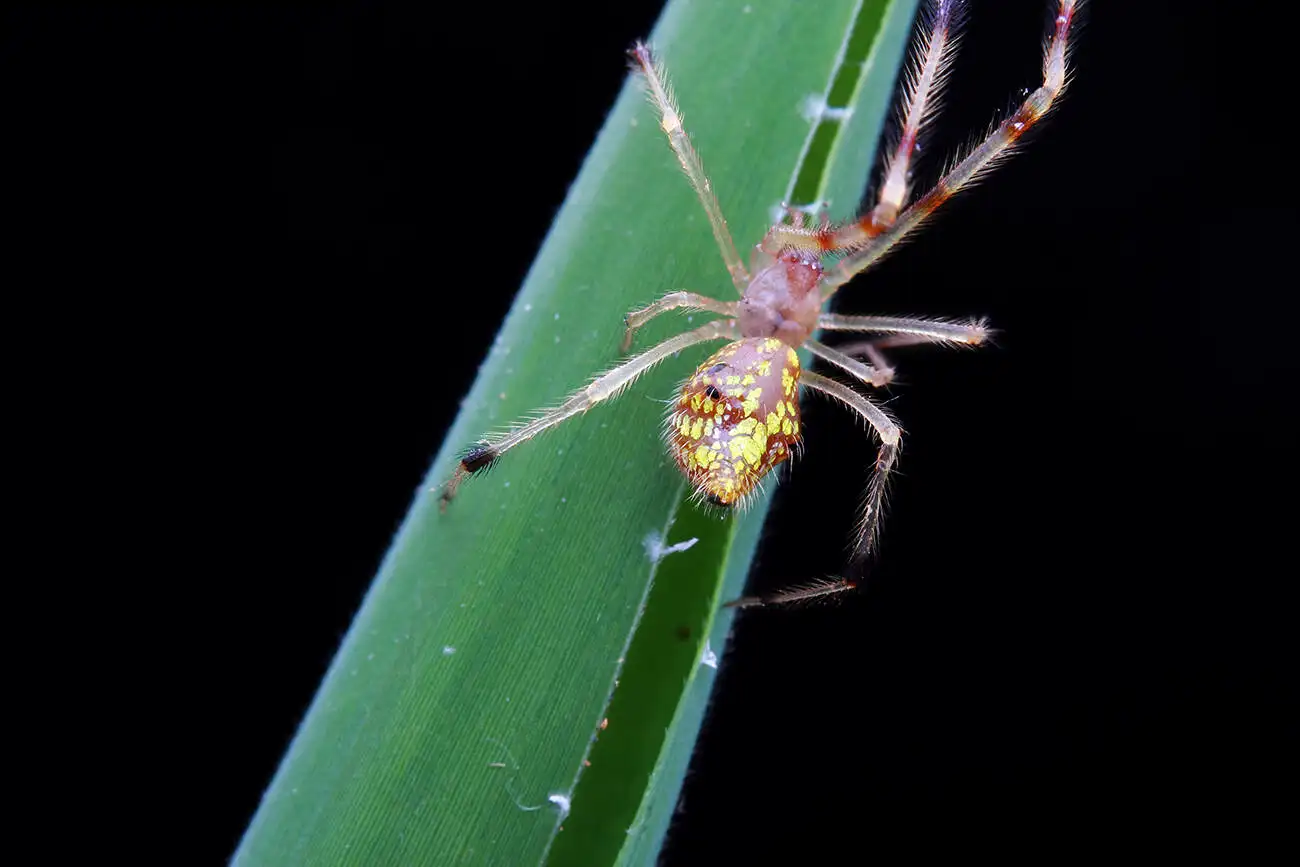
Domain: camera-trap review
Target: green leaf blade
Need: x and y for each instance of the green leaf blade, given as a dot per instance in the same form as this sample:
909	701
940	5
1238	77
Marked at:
473	682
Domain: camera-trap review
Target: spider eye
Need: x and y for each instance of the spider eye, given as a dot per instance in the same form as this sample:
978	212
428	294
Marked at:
712	393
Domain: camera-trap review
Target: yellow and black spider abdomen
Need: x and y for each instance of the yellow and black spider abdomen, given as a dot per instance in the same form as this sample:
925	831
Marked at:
737	417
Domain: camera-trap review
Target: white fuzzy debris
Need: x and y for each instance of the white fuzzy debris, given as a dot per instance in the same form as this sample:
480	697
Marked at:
656	550
561	801
448	650
709	658
814	109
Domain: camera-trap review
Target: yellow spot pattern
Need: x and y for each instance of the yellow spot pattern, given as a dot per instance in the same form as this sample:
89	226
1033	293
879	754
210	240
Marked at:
736	418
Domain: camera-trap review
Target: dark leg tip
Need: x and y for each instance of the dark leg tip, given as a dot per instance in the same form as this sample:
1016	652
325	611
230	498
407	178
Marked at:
478	457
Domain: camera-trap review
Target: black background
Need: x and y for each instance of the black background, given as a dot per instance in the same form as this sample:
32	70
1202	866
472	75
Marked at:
248	217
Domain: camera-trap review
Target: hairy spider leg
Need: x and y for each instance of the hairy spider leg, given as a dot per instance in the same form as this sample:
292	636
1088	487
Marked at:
890	436
670	120
866	240
987	155
927	70
604	387
674	301
878	376
800	593
926	75
902	332
923	330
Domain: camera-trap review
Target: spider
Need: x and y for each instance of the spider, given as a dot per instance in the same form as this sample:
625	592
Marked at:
738	416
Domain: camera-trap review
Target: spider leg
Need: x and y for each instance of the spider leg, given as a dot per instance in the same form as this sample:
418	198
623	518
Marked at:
878	376
906	332
673	301
871	349
926	75
985	156
606	386
927	70
801	593
671	123
923	330
890	435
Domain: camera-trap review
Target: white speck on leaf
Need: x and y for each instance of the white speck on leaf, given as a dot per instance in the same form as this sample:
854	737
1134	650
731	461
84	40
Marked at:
656	550
448	650
709	658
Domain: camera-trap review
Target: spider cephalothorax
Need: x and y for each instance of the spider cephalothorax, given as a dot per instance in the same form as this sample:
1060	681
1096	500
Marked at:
782	300
737	417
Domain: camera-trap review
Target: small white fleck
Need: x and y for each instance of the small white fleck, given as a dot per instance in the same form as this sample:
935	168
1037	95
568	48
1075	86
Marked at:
690	318
448	650
814	104
656	550
294	790
370	656
1018	125
635	122
557	338
506	485
710	658
748	9
528	307
562	802
559	451
564	499
557	317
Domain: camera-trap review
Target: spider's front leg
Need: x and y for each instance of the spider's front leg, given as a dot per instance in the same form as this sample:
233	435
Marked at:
608	385
985	156
674	301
